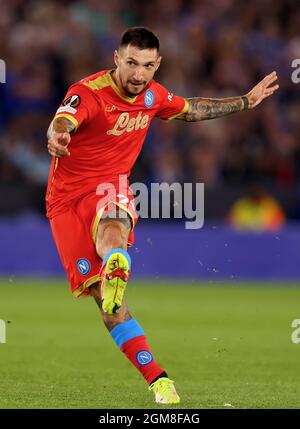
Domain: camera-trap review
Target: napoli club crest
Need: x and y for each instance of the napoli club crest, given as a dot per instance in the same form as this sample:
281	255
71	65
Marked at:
144	357
149	98
83	266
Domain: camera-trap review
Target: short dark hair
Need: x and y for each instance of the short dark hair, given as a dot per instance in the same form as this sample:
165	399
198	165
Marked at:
140	37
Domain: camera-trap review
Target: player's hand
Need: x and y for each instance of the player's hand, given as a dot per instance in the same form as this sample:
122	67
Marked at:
57	144
262	90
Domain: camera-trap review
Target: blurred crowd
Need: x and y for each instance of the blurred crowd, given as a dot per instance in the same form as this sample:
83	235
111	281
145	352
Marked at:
210	48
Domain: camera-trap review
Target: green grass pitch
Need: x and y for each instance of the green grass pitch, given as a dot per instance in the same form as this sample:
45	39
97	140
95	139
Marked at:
221	343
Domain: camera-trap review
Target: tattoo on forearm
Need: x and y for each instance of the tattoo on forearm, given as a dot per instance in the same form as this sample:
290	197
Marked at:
60	125
246	102
209	108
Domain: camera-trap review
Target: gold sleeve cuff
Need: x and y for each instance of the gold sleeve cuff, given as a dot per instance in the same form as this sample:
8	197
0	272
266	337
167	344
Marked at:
184	110
69	117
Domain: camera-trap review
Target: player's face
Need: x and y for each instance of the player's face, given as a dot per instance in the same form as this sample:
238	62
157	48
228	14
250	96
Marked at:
135	68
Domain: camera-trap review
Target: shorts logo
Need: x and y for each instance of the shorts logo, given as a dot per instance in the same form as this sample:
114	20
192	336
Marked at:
149	98
170	96
72	101
144	357
83	266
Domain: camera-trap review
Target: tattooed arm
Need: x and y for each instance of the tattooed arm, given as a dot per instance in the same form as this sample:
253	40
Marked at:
59	137
209	108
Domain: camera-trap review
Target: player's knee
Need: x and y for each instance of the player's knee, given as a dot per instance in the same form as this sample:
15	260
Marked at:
112	232
110	235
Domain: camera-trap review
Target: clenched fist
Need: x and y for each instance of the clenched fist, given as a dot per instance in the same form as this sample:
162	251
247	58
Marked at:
58	144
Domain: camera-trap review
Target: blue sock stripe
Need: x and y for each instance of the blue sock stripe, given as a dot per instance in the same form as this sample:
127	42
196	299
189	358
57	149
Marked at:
126	331
118	250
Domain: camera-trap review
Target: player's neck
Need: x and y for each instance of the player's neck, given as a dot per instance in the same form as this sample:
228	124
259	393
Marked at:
115	77
117	80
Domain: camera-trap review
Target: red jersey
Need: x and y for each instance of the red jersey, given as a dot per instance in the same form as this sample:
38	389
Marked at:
112	129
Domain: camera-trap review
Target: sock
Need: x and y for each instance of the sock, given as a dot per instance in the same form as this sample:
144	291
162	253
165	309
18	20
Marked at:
117	250
163	374
131	340
108	254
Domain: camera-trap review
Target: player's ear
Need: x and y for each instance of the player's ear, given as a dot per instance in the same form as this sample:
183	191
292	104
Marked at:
116	58
158	61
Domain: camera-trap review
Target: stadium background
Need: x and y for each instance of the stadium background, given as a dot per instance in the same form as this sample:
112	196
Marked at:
215	48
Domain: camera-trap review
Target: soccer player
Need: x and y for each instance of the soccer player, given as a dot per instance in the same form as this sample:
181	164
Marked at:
95	138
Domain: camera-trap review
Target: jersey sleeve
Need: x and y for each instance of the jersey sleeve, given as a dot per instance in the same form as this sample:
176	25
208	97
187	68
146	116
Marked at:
79	105
171	105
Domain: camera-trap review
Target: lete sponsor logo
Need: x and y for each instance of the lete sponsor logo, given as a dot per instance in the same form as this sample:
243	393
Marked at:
126	124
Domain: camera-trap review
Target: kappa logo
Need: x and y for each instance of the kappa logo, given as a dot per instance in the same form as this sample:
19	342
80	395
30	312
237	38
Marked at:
144	357
149	98
83	266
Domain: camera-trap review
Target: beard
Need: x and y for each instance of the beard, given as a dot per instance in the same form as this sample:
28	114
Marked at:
133	88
